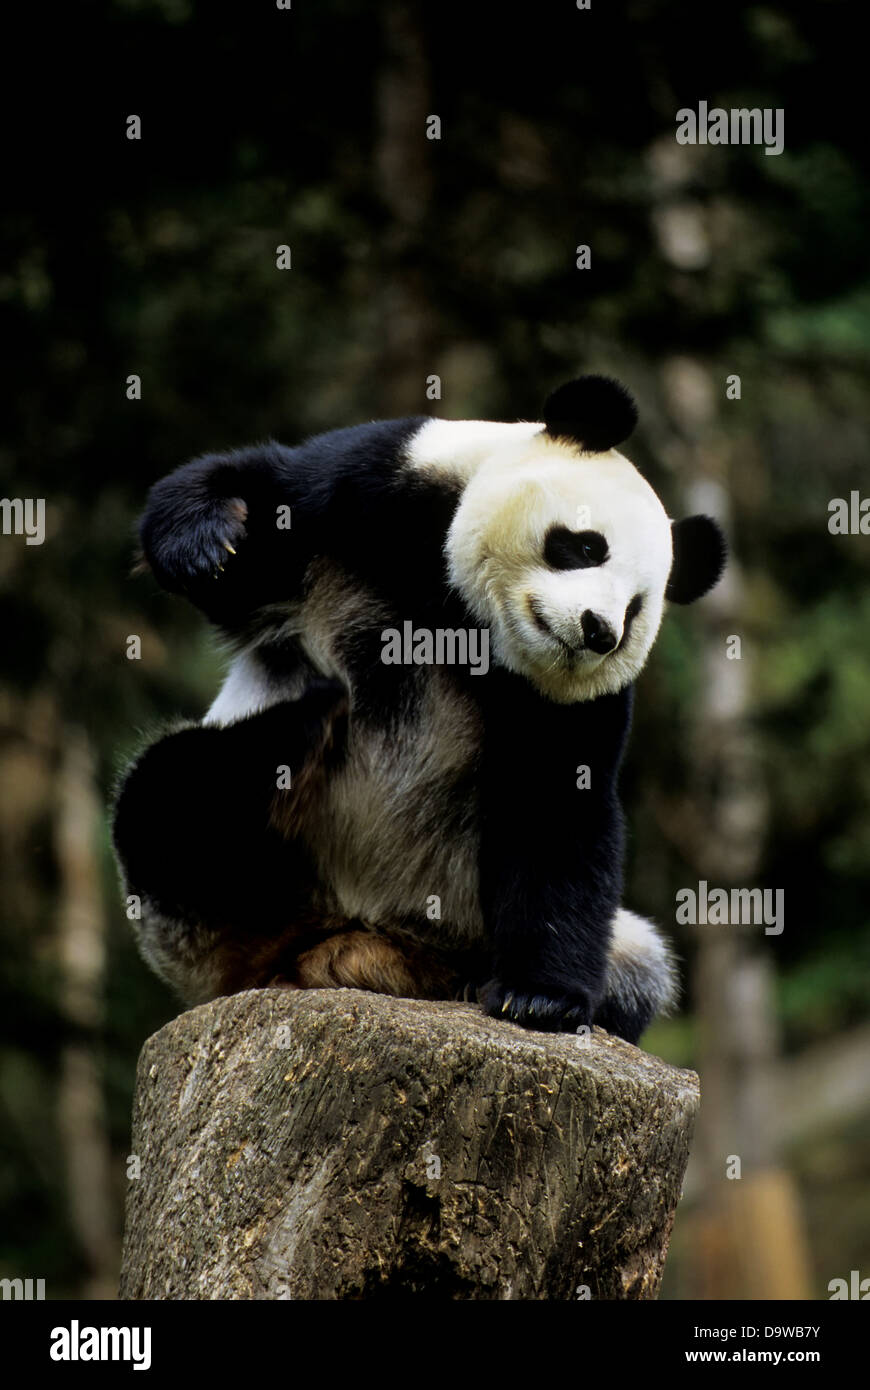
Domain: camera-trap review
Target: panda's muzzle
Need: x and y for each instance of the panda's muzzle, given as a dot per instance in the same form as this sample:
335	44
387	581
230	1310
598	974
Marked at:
598	635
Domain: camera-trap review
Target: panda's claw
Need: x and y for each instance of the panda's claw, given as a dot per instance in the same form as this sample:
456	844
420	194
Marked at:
533	1009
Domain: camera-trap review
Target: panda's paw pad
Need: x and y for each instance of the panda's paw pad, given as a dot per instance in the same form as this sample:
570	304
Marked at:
544	1012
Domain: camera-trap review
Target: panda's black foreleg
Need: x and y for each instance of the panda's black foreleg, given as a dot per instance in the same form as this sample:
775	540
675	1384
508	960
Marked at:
550	935
551	853
193	822
219	530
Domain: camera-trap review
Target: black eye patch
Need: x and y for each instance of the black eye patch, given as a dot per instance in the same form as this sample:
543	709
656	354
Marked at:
574	550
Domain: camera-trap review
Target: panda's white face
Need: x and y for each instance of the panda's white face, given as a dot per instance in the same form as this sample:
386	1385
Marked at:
564	556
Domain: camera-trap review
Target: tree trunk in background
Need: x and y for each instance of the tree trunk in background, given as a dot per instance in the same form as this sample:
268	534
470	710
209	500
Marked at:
749	1233
343	1145
404	182
81	948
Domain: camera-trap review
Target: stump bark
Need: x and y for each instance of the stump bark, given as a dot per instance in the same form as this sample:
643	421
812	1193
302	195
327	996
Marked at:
333	1144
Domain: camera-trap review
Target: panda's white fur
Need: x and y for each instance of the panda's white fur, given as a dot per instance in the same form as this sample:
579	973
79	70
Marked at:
249	688
641	965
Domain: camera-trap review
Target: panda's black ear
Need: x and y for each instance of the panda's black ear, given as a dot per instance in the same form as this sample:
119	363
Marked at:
593	411
699	558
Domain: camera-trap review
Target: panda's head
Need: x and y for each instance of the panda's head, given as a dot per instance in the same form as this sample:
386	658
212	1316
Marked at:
561	548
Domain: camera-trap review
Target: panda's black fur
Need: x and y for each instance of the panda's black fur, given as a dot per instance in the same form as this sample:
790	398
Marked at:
411	785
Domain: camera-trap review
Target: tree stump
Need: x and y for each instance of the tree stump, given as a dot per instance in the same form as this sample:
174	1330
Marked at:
330	1144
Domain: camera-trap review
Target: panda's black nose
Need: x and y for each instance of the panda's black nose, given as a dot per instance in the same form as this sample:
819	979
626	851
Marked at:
598	635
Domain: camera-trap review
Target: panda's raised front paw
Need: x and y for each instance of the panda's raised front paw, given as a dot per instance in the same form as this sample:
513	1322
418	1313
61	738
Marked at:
196	547
563	1013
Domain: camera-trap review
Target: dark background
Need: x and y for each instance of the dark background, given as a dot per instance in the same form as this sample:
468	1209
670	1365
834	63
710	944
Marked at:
411	257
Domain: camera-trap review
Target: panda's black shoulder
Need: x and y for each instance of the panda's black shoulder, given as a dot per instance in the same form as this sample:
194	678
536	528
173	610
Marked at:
385	521
371	455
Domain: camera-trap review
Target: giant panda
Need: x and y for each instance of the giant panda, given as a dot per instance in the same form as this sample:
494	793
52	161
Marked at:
430	830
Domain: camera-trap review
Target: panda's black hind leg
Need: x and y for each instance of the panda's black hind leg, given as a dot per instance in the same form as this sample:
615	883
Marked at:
193	819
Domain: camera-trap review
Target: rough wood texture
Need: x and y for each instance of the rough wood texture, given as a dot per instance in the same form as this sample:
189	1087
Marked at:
338	1144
